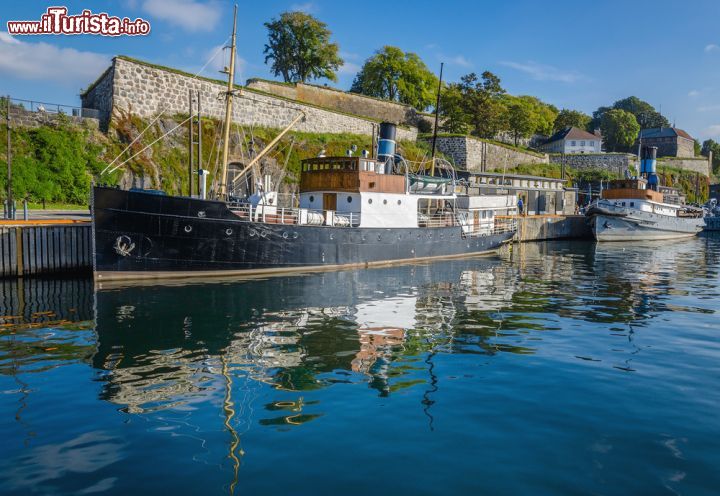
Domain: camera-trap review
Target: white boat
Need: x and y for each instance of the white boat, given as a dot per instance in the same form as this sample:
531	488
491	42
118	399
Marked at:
634	210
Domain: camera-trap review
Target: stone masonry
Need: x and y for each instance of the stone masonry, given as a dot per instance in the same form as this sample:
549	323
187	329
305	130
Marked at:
146	90
700	165
478	155
620	162
614	162
351	103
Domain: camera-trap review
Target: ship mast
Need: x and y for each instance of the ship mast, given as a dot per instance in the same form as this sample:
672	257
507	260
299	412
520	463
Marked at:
221	194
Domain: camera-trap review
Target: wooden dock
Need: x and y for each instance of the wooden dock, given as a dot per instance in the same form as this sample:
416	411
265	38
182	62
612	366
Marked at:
36	248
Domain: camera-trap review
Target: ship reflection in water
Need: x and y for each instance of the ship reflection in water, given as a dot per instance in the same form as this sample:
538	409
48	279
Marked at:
598	355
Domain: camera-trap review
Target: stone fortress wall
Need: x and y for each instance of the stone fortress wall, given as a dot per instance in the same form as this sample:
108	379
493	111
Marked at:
351	103
620	162
476	155
146	90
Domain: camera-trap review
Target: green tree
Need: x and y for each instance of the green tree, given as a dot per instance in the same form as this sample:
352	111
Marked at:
697	148
399	76
620	129
644	113
300	49
453	115
483	104
710	145
522	118
571	118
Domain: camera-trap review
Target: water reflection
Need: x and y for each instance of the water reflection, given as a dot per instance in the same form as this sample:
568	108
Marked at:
168	353
165	346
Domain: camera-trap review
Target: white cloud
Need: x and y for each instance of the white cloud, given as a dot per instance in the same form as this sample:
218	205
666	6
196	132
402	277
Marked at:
349	56
188	14
43	61
221	60
307	7
712	47
349	68
709	108
693	93
712	131
541	72
459	60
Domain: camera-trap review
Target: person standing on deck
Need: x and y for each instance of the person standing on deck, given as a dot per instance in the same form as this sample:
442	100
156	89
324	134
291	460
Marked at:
520	205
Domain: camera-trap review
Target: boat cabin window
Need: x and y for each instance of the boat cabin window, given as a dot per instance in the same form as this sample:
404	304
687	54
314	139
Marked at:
632	204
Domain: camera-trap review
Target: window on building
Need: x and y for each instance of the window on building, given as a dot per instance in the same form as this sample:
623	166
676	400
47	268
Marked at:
582	143
591	143
572	143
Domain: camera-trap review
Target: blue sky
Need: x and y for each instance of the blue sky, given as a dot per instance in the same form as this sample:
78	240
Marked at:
572	54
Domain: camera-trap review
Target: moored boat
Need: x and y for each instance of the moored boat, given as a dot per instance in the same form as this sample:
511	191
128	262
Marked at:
635	210
353	211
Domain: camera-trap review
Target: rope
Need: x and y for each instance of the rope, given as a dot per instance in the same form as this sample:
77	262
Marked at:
220	48
148	146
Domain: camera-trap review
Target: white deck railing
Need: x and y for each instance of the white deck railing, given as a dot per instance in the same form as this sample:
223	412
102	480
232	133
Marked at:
267	214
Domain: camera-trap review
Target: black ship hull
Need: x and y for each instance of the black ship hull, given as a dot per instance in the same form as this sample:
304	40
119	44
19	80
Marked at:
139	235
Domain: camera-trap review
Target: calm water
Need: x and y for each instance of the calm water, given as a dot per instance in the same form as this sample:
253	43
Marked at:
555	369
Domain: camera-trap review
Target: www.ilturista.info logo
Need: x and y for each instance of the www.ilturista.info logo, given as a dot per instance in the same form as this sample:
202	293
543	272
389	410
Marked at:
57	21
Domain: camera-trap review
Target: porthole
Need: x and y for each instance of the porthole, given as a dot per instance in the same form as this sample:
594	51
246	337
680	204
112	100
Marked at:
399	202
252	233
295	235
285	235
201	214
312	198
188	229
384	202
370	201
379	237
263	234
332	236
228	231
349	199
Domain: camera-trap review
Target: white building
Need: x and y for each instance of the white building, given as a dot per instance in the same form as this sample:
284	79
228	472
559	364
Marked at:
572	140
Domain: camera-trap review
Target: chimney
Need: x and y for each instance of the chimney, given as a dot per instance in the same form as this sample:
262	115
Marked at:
596	132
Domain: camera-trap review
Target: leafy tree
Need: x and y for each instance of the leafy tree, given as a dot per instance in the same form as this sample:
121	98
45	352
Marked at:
697	147
399	76
522	118
300	49
571	118
644	113
619	128
454	117
710	145
483	104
